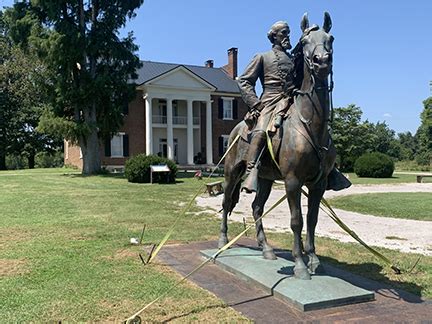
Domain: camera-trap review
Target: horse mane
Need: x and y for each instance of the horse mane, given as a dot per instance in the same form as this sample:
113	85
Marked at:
297	53
298	57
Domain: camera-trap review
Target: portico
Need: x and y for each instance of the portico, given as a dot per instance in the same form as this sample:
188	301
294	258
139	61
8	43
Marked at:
173	116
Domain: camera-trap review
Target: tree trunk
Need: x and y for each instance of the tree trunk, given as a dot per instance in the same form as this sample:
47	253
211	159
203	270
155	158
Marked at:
2	162
90	153
31	161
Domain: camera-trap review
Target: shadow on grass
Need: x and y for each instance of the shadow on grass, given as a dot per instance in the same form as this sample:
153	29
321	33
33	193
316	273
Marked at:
379	282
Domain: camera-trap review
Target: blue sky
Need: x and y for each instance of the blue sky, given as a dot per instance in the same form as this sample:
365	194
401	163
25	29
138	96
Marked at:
382	49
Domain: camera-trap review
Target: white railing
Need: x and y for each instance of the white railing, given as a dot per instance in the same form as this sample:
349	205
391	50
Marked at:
180	120
177	120
158	119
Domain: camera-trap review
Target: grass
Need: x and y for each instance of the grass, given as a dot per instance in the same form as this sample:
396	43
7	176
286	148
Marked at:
66	239
408	205
395	179
65	253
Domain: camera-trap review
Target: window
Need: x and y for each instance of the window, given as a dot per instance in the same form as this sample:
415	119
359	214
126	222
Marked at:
160	117
117	146
163	147
227	108
225	140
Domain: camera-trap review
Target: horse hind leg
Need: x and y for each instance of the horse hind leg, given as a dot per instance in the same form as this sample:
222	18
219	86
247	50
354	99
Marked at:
314	264
294	200
231	198
264	189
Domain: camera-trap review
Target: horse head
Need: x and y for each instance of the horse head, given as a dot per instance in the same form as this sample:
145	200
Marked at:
317	47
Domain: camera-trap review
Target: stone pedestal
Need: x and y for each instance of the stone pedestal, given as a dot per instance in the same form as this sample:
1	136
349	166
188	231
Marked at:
276	277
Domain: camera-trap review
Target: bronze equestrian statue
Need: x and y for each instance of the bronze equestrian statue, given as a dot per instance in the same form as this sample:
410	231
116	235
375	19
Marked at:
294	109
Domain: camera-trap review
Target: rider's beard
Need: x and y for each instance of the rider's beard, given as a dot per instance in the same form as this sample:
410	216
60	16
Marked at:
286	44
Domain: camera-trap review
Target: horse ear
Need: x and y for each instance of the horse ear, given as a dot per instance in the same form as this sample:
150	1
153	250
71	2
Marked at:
304	22
327	22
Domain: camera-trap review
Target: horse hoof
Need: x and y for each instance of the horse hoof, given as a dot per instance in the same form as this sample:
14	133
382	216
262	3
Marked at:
269	255
316	268
302	274
222	242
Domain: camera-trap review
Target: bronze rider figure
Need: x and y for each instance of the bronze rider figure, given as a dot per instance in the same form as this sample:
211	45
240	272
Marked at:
276	71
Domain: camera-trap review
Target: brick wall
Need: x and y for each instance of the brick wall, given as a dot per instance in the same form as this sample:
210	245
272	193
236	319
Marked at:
72	155
134	127
224	127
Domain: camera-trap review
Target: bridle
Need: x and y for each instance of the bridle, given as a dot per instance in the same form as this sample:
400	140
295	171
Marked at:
298	50
308	61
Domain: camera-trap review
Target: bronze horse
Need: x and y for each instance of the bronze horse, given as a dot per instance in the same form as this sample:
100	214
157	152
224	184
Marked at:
306	155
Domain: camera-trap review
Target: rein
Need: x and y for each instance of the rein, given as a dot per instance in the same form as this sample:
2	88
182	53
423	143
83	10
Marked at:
309	93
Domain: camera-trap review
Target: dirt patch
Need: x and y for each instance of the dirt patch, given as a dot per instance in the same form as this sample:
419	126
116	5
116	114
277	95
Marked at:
13	267
11	236
123	254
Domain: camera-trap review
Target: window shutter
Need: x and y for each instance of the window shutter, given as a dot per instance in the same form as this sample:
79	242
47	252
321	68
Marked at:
235	113
108	146
125	145
220	106
220	146
125	108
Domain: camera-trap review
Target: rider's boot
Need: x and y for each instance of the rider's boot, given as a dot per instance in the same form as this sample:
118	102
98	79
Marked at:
256	146
337	181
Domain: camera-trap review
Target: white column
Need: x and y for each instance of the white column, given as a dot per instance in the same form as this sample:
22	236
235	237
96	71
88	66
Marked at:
149	122
209	133
170	139
190	151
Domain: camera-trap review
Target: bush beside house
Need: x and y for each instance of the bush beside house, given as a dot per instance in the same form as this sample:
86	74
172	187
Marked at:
137	169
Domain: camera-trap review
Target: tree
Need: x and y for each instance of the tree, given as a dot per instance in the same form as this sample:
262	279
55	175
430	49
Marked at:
408	144
424	134
384	140
21	102
92	67
352	138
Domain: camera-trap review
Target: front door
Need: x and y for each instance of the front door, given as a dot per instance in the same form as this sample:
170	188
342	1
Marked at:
163	148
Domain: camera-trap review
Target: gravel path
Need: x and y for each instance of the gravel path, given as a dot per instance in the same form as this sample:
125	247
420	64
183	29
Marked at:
399	234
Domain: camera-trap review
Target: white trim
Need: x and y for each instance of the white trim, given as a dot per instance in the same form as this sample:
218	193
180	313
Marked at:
188	72
66	144
209	133
234	95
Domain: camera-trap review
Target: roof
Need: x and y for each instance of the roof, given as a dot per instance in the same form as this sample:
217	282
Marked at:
215	76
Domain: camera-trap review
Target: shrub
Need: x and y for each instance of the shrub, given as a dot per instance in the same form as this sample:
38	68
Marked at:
15	162
137	169
374	165
49	160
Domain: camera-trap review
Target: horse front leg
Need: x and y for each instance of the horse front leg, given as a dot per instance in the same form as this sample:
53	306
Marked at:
264	189
231	198
314	200
294	200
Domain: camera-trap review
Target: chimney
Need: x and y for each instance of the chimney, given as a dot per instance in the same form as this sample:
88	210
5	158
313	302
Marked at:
209	63
231	67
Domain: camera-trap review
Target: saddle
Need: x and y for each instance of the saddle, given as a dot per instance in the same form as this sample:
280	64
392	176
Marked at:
269	165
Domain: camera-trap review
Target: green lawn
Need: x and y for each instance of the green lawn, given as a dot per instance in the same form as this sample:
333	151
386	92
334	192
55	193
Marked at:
408	205
396	178
65	253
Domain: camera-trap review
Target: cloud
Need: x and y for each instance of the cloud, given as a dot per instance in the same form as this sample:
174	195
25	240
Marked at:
387	115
